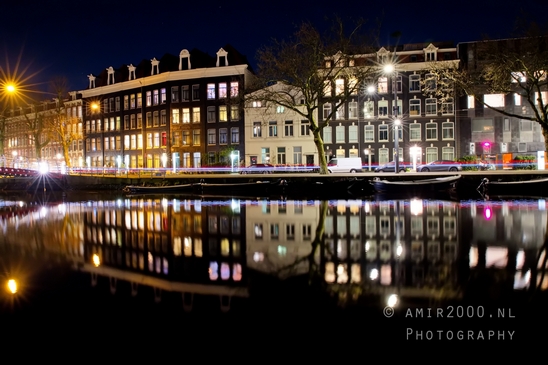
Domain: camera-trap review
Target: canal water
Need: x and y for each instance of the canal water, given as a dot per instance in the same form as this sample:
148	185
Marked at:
113	268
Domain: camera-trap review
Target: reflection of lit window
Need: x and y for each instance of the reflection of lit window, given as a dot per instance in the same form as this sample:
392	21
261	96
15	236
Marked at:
128	219
225	271
274	231
237	272
342	274
341	249
386	274
520	259
235	248
166	266
496	256
177	251
198	247
355	273
258	256
258	230
473	256
385	251
141	261
329	272
225	247
521	279
150	262
416	250
213	270
188	246
158	265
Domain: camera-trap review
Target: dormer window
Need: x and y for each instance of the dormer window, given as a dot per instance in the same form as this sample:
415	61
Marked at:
155	66
382	56
222	58
131	69
91	81
431	53
184	60
110	78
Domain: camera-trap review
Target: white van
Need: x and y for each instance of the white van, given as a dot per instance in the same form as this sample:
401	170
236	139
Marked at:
345	164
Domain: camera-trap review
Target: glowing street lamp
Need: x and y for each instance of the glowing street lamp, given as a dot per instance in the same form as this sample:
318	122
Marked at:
11	88
12	286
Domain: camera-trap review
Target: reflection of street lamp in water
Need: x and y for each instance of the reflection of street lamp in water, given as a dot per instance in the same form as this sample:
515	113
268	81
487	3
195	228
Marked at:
391	69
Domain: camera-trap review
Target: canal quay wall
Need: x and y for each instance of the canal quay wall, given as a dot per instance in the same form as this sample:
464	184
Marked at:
116	182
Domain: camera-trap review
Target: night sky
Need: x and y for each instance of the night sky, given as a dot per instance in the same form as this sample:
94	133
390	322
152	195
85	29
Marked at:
75	38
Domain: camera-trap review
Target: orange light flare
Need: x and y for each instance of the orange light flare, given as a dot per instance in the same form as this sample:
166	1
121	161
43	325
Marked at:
16	86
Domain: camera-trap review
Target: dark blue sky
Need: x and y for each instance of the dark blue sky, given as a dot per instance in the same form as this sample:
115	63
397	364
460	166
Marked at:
75	38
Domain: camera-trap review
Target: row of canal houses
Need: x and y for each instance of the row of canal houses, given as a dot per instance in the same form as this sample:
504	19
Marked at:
415	249
186	111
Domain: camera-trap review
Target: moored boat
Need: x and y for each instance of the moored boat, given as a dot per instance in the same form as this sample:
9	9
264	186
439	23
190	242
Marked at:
343	188
177	189
416	187
258	188
532	187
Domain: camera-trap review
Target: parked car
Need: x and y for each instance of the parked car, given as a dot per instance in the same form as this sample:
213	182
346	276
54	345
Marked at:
440	165
345	164
260	168
391	167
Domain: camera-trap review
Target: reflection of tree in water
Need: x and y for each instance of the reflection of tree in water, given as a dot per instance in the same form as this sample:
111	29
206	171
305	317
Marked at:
282	289
453	281
490	285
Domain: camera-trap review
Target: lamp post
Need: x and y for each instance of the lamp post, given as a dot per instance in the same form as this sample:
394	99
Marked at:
391	69
367	151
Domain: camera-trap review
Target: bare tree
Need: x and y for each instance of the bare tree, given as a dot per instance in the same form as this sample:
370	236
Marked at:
61	126
510	66
35	123
306	66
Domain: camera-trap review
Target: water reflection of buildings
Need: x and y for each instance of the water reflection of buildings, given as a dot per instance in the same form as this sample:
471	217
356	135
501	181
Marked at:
506	235
279	235
417	248
413	248
187	246
393	247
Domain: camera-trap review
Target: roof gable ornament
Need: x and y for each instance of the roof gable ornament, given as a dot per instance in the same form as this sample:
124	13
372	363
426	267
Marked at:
91	81
155	65
110	78
131	69
185	54
222	58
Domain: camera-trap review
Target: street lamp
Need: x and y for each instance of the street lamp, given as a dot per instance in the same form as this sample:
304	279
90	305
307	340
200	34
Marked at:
390	69
367	152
